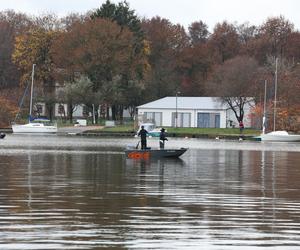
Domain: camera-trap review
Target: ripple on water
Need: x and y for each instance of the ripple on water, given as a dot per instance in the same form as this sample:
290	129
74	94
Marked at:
83	194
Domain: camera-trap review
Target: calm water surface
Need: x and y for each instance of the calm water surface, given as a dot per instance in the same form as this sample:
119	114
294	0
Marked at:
82	193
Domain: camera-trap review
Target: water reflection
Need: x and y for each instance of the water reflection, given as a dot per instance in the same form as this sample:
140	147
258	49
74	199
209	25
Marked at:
216	199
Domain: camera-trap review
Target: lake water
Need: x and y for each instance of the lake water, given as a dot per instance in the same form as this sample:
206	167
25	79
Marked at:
69	192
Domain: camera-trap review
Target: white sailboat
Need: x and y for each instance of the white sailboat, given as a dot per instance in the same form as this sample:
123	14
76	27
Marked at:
37	125
279	135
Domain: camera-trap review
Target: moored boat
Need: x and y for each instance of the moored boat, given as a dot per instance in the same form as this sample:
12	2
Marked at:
154	153
34	127
38	125
279	136
275	135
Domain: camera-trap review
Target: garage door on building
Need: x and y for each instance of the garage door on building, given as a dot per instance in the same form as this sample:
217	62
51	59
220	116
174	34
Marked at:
208	120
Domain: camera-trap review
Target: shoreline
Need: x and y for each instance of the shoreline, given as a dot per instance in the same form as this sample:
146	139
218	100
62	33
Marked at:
69	144
94	131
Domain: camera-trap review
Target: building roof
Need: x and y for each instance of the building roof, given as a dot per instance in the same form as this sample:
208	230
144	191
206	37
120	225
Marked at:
183	102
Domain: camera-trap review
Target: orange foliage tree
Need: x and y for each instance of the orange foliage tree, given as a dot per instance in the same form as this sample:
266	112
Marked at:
8	111
167	42
289	102
102	50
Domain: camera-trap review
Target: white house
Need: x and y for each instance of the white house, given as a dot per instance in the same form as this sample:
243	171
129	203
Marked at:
203	112
80	111
59	110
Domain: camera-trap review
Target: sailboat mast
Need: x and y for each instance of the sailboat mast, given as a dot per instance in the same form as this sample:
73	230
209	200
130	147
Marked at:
31	92
264	116
275	95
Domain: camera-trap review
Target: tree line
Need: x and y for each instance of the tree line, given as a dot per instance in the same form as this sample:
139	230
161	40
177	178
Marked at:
112	57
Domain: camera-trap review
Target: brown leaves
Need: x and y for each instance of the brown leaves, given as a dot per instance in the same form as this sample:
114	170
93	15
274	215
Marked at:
33	47
97	43
224	42
236	77
8	108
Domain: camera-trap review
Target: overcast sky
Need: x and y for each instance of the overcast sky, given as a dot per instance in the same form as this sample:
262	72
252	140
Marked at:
183	12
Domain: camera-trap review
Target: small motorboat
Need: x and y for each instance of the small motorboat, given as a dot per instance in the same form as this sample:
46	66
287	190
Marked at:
154	153
2	135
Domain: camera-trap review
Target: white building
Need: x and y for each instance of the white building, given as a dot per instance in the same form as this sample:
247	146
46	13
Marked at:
202	112
80	111
60	110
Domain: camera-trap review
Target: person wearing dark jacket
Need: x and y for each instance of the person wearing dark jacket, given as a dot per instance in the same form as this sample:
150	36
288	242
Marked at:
143	134
162	138
241	125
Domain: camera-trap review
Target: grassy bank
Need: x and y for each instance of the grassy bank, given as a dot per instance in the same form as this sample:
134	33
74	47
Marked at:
187	132
119	129
214	131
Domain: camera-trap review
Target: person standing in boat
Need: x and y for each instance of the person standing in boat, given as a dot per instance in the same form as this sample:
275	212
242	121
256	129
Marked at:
143	134
162	138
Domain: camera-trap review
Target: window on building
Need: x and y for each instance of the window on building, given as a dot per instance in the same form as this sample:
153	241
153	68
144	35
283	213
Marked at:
183	120
85	111
39	109
208	120
61	109
154	117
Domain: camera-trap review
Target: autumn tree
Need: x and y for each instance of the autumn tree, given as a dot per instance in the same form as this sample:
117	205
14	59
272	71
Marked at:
122	15
11	25
224	42
276	32
288	90
247	34
8	106
31	48
126	18
198	33
167	41
194	65
193	61
100	49
292	98
7	69
292	51
274	38
234	82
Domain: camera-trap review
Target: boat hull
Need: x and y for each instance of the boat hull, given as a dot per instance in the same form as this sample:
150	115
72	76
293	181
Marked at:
279	136
154	153
34	128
